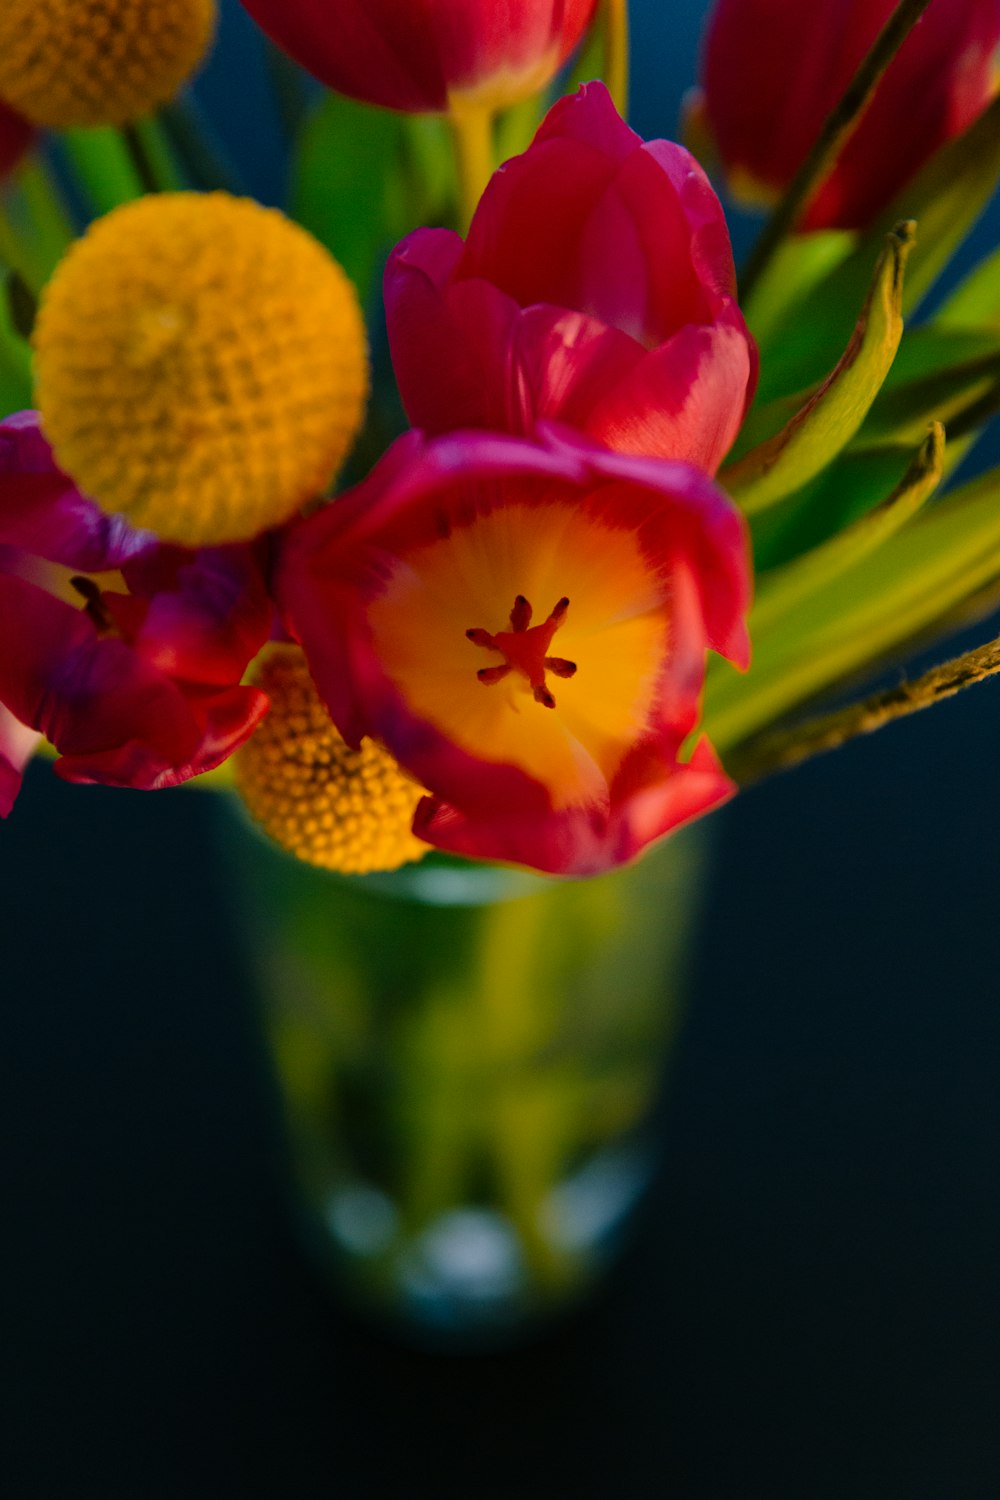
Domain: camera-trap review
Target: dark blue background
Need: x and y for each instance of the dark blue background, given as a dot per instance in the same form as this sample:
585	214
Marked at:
812	1308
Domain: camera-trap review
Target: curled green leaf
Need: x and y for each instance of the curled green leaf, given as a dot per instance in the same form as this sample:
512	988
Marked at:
784	463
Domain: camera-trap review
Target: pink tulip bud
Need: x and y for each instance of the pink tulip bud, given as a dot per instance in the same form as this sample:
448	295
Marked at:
595	288
426	58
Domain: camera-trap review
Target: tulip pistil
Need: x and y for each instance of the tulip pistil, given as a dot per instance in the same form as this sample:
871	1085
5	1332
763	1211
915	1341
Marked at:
94	605
525	647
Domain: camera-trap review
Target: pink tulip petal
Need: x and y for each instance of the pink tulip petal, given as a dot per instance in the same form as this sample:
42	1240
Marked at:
17	745
584	252
42	511
334	566
654	799
686	399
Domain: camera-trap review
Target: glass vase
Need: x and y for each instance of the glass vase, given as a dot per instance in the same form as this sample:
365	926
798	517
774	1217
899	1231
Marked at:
469	1060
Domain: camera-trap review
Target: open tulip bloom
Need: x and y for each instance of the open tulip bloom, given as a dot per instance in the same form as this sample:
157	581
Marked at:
641	521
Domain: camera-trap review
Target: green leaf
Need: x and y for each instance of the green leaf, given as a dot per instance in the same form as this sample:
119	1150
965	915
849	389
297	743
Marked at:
947	395
101	162
912	586
363	177
15	362
798	265
22	306
975	302
783	588
853	485
345	162
945	198
784	463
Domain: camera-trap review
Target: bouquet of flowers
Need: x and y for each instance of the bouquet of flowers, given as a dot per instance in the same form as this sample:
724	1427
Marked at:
638	517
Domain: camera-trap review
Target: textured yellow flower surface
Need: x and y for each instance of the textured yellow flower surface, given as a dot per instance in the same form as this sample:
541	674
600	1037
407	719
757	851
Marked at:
201	366
343	809
98	62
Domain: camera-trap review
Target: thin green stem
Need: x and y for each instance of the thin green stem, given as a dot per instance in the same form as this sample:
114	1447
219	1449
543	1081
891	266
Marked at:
16	255
616	68
52	229
197	146
472	139
142	161
779	751
839	126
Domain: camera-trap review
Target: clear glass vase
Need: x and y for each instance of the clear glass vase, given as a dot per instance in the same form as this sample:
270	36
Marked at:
469	1060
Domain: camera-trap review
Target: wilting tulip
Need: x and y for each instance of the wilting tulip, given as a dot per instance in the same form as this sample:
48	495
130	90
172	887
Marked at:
524	626
16	135
123	652
596	287
774	69
429	57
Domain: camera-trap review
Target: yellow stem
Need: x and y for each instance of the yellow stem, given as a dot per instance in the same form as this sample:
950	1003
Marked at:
472	138
616	52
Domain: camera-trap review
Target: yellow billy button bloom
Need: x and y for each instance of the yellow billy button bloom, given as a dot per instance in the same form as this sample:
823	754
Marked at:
98	62
342	809
201	366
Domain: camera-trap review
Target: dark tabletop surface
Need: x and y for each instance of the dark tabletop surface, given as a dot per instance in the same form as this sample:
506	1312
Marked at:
810	1307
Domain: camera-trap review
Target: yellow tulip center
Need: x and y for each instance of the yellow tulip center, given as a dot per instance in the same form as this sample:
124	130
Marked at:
450	601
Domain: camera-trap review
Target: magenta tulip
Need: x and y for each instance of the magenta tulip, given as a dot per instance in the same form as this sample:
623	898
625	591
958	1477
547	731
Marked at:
774	69
126	654
524	625
428	55
595	288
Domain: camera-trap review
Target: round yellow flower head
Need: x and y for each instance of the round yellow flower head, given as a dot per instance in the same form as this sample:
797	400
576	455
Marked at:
98	62
342	809
200	366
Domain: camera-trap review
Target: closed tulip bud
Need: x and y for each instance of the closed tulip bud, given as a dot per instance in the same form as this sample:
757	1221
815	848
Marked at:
427	58
774	69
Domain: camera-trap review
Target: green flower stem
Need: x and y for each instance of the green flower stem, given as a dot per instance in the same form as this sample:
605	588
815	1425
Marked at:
616	68
103	167
197	146
781	750
472	140
839	126
145	168
16	253
51	228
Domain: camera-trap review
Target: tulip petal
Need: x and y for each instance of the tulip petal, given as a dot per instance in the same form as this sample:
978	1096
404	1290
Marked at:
400	595
42	511
17	745
113	717
686	399
652	799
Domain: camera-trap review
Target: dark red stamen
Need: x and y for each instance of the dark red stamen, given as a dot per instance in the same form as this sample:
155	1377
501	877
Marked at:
94	605
525	646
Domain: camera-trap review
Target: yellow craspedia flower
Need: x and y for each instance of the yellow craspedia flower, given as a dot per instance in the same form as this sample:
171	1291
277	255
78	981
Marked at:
98	62
200	366
342	809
